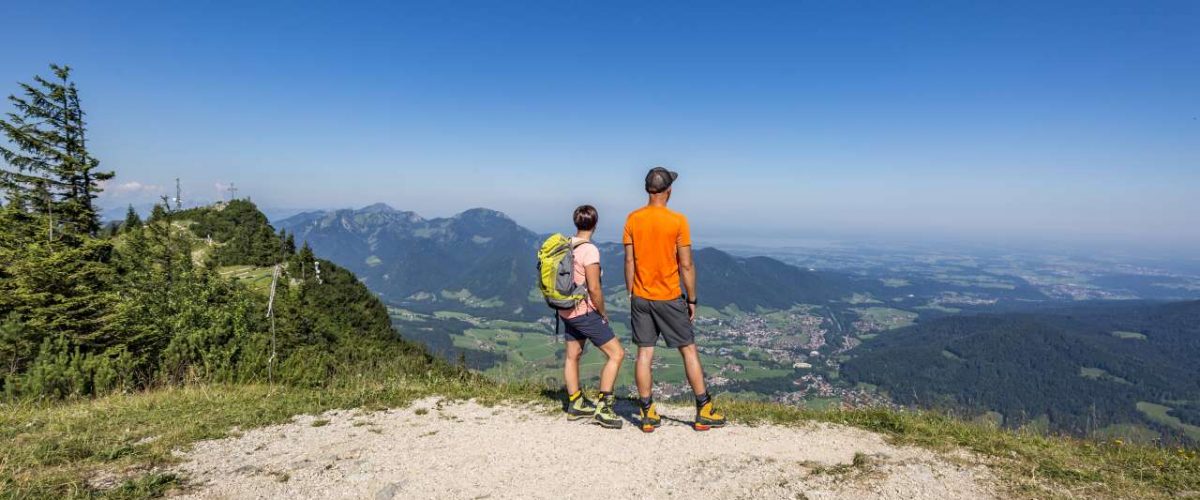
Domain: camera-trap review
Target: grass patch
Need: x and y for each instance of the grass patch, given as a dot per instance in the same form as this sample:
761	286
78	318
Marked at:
861	464
1161	414
49	450
938	307
147	486
255	278
884	318
861	298
1100	374
1130	433
1034	465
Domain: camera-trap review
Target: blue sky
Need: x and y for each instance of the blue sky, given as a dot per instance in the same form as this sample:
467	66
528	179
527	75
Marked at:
1059	122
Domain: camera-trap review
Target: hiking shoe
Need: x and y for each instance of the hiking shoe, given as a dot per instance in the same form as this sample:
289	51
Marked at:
605	416
649	418
707	417
581	407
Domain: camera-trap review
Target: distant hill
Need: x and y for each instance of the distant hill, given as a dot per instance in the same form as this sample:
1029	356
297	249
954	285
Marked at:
481	259
1081	369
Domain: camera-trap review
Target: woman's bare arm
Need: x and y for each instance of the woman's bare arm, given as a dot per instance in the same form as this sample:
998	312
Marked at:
594	291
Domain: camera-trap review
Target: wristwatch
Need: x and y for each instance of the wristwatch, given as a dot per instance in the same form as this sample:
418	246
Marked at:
691	301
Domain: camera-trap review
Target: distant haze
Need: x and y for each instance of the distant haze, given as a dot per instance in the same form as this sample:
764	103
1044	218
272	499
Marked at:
1060	123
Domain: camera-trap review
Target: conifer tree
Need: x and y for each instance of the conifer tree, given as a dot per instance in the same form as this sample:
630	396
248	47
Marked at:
158	213
49	168
306	259
132	219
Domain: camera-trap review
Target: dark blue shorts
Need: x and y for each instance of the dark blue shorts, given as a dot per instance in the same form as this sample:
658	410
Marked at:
590	326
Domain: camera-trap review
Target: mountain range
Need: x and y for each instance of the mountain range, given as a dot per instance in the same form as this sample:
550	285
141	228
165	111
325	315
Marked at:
484	260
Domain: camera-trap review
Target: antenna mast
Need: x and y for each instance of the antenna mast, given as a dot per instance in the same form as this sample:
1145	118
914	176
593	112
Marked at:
271	316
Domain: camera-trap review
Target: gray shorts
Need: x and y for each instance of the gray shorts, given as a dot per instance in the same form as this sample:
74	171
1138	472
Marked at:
650	318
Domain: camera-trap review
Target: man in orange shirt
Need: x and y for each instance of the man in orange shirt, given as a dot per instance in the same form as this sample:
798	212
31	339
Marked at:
658	250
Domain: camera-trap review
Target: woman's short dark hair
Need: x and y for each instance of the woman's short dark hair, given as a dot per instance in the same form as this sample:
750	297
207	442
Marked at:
586	218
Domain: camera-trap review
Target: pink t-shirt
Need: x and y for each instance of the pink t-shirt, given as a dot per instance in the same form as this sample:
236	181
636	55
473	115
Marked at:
585	255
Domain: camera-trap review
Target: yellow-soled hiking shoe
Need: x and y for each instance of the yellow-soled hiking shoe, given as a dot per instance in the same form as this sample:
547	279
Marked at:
579	406
649	418
605	416
707	417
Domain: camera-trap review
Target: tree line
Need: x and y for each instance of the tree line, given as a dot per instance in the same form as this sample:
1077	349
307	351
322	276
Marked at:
88	309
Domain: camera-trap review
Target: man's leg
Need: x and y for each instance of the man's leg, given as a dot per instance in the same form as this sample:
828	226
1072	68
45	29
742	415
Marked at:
608	375
693	369
680	334
645	384
645	335
642	371
707	416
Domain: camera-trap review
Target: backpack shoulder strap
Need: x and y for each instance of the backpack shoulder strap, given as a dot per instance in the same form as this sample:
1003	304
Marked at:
577	244
574	245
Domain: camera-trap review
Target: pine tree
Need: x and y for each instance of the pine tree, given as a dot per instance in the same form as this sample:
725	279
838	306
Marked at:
306	260
49	154
158	213
132	219
16	346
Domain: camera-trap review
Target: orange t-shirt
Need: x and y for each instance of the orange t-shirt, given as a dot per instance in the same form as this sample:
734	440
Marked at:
656	234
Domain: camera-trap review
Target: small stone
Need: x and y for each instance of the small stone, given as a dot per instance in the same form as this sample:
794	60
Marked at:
388	492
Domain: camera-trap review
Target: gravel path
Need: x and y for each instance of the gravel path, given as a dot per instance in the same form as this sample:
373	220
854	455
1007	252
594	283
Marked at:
436	449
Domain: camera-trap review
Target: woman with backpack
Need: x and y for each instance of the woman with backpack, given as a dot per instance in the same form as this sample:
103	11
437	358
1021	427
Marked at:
586	320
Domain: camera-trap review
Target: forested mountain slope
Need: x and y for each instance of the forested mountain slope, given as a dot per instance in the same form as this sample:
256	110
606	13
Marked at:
1078	369
155	302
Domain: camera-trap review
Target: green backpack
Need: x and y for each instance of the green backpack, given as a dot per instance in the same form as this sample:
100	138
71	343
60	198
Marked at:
556	277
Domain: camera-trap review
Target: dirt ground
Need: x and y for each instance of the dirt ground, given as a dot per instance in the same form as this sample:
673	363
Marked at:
437	449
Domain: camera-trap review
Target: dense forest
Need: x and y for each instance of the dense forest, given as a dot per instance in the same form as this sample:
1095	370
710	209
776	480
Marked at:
1081	368
89	309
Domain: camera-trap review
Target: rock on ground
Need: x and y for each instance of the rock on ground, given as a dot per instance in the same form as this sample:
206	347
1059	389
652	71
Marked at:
437	449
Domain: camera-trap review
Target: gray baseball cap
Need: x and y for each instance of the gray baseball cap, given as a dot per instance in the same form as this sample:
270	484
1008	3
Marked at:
659	179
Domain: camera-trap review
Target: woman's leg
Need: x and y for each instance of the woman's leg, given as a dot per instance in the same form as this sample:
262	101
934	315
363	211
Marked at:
571	365
608	375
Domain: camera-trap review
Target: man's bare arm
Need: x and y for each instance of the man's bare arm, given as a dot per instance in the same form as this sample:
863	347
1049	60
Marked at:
688	269
629	270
